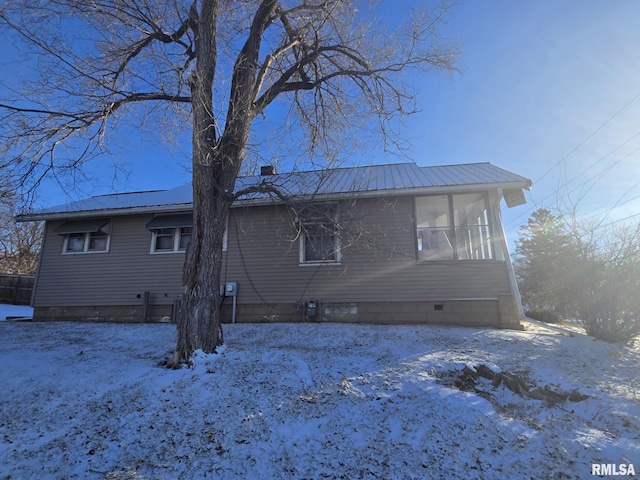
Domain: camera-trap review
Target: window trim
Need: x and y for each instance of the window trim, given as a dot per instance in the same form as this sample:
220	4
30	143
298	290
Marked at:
87	240
177	232
175	241
303	237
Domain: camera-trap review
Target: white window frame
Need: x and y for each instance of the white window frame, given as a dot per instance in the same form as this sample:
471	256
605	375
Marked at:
176	235
177	232
304	235
87	242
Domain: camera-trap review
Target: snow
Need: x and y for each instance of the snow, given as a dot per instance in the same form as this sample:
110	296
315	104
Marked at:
298	401
14	311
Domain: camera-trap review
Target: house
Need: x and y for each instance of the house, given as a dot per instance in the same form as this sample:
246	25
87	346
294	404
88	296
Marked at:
393	243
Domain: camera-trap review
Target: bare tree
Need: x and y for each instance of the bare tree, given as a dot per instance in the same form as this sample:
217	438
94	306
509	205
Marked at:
606	273
326	66
19	242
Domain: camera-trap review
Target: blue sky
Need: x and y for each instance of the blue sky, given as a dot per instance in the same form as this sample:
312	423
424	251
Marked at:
548	89
541	94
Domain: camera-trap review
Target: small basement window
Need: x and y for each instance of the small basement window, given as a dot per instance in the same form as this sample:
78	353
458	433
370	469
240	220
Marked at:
85	236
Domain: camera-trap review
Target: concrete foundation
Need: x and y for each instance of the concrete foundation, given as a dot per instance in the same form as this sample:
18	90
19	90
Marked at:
500	312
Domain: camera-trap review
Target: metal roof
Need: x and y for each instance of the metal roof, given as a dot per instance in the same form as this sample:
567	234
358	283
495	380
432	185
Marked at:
384	178
373	180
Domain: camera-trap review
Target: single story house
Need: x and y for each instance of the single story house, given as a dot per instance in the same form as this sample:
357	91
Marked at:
394	243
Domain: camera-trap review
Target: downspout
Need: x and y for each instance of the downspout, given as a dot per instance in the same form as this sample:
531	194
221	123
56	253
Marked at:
513	284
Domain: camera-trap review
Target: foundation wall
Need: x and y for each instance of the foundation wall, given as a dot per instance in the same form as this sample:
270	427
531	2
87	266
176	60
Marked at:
501	312
108	313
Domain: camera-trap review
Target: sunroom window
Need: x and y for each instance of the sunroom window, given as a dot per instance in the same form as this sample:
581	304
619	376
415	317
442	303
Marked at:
453	227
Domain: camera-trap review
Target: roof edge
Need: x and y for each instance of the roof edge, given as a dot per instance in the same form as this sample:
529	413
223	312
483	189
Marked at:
33	217
524	184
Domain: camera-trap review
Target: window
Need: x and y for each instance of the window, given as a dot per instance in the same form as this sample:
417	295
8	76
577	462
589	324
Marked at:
171	233
319	240
185	238
453	227
85	236
170	239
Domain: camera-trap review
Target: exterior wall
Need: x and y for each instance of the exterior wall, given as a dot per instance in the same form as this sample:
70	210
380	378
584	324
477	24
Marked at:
117	277
263	257
378	273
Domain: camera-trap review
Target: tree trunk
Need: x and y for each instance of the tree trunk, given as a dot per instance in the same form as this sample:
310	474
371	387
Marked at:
216	164
199	325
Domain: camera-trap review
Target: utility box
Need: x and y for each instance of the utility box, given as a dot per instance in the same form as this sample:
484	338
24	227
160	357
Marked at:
312	309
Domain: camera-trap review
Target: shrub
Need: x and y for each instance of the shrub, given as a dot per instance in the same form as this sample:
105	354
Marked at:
546	316
622	330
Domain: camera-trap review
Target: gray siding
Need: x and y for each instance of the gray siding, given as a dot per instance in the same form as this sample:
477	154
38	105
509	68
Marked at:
112	278
378	263
263	258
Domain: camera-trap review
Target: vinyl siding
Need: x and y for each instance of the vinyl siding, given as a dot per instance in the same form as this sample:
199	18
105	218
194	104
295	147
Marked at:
378	263
264	260
112	278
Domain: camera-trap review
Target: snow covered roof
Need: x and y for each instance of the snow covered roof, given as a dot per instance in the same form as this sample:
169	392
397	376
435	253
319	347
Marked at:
373	180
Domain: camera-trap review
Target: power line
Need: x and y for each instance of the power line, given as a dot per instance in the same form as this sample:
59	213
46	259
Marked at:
619	203
589	137
619	220
564	158
597	176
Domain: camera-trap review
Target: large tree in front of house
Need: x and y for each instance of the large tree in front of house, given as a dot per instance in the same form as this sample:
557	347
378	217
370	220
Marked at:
328	67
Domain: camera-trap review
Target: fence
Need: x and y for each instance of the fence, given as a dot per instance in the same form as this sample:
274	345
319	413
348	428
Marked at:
16	289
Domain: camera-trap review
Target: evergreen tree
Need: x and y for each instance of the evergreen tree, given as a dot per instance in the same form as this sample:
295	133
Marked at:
543	259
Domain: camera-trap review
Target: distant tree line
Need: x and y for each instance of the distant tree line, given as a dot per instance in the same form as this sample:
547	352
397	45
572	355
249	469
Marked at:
568	267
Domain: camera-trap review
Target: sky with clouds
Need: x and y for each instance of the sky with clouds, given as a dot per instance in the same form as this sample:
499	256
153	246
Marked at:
547	89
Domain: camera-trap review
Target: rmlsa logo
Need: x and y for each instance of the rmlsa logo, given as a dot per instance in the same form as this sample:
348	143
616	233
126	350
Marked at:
605	469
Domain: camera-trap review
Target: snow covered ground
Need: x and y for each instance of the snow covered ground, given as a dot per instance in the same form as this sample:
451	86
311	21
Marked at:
14	311
294	401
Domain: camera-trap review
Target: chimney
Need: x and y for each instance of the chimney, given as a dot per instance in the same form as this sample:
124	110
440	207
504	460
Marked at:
267	170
